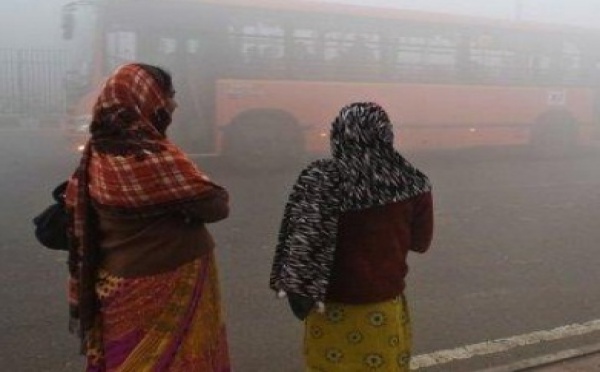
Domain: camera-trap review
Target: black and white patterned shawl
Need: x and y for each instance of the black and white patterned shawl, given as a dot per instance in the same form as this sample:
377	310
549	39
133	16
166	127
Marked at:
365	171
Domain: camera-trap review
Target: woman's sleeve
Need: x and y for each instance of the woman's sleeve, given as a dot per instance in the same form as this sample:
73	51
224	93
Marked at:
422	225
213	206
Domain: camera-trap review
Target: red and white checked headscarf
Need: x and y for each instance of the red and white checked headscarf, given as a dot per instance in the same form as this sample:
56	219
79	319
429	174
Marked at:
131	162
128	165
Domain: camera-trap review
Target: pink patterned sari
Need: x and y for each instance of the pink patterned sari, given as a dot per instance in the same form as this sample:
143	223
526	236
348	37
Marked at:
165	322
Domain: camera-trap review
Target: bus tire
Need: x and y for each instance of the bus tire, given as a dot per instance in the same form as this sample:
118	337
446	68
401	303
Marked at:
554	135
263	139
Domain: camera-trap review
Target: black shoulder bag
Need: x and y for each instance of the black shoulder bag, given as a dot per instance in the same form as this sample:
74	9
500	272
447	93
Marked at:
51	225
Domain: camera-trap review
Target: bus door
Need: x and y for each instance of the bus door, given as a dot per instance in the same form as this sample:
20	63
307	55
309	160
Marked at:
187	57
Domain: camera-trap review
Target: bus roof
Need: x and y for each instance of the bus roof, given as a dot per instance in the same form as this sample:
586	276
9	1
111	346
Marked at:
323	7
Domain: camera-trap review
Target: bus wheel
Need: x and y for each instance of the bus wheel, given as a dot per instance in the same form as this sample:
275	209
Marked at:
263	140
554	134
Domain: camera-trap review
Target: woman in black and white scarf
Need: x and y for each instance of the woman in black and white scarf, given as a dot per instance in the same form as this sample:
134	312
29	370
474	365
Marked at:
348	226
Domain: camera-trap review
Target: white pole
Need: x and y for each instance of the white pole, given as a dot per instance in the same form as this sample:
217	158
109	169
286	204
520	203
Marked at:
518	10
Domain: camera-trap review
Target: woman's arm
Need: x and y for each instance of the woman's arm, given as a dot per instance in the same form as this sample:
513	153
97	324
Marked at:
213	206
422	225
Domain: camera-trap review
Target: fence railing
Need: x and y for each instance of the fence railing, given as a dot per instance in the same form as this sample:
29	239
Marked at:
32	83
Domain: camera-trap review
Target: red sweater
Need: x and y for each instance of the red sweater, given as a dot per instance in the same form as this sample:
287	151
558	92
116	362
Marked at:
370	262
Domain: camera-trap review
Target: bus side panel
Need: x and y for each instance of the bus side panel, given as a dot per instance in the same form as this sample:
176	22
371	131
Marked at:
426	115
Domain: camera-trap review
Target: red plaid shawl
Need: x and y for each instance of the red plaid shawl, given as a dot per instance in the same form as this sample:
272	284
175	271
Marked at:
158	179
128	164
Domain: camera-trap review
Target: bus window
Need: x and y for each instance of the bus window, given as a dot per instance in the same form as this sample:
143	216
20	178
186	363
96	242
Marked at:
167	45
363	55
260	42
572	62
121	47
439	57
351	55
491	56
192	46
424	56
334	43
168	53
408	56
303	53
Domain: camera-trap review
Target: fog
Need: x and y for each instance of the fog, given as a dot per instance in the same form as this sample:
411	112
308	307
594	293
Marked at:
501	110
37	22
577	12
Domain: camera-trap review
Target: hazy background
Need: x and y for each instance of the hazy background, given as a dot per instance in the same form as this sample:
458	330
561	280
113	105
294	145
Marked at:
516	246
36	23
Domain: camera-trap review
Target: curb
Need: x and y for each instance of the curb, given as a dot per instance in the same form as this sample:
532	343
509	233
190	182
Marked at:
547	360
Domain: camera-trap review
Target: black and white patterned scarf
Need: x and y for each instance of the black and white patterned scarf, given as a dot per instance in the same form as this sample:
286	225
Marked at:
364	172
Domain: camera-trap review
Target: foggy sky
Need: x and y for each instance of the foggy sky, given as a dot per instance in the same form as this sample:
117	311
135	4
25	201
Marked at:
576	12
36	23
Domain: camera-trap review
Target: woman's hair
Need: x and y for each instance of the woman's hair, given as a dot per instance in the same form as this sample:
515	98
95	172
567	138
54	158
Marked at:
162	77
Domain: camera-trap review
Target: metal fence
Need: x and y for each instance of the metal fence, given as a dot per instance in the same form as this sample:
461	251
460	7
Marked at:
31	84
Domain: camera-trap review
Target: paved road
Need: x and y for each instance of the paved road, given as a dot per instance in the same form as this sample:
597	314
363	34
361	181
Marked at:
515	252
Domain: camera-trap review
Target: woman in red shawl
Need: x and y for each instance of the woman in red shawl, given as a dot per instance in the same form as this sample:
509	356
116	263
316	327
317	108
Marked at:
144	292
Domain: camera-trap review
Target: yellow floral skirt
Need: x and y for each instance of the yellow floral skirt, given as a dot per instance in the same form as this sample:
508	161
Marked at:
357	338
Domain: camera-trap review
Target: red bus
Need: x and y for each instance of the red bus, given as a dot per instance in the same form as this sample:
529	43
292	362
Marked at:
259	81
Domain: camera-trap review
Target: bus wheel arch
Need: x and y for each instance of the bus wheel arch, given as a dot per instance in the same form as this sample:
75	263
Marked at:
554	133
263	138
